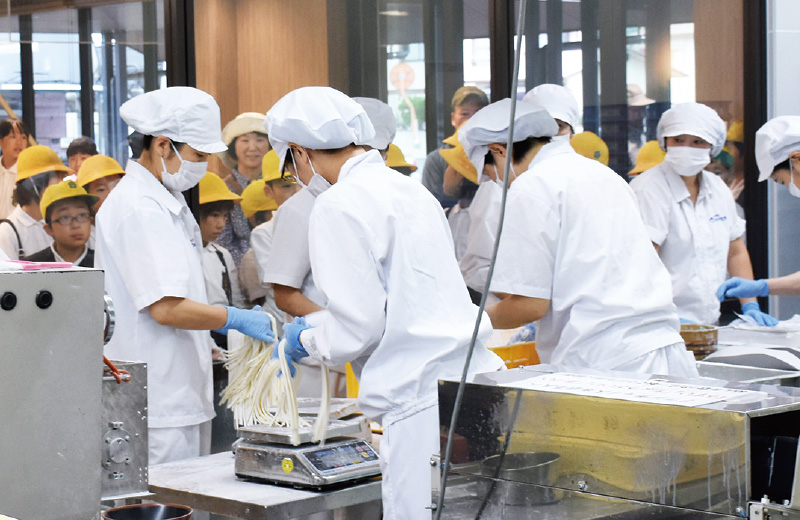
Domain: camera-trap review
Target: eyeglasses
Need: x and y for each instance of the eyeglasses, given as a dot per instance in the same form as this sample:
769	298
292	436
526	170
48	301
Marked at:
66	220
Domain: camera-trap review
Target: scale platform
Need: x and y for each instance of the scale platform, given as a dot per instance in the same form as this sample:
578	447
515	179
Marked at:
265	453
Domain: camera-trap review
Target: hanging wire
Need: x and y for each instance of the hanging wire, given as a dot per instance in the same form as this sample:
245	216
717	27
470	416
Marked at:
462	383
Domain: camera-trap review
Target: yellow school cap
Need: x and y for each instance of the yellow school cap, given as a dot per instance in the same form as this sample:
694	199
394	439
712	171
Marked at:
38	159
457	158
213	189
736	132
97	167
270	167
590	145
254	199
396	159
64	190
649	155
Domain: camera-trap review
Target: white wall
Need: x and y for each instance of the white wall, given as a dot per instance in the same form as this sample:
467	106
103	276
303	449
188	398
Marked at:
783	87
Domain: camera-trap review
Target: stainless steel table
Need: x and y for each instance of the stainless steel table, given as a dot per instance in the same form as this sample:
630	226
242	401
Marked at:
209	484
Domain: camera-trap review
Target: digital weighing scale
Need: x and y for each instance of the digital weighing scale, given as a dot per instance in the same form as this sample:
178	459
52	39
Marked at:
266	453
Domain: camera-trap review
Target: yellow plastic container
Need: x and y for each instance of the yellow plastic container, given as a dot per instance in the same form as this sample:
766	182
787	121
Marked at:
518	355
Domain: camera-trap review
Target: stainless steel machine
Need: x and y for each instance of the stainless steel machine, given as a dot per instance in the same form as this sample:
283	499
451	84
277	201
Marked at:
266	453
51	387
538	443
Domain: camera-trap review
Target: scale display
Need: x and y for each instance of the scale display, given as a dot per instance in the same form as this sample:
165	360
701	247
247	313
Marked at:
334	458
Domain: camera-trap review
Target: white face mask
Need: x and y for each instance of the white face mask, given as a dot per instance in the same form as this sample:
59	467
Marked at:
794	191
687	161
317	184
187	176
500	181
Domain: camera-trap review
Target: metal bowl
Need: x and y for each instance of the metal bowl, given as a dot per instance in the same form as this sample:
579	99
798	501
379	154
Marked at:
516	472
148	512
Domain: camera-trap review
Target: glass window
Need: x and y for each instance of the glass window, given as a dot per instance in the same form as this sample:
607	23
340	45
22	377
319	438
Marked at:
10	74
129	59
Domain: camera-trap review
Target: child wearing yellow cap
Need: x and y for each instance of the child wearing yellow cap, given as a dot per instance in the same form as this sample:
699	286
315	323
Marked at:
22	233
219	269
98	175
67	210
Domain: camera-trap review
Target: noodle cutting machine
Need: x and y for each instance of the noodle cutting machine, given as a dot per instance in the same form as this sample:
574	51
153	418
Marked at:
535	442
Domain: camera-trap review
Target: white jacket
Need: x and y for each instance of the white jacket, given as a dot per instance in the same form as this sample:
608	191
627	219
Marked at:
382	253
150	247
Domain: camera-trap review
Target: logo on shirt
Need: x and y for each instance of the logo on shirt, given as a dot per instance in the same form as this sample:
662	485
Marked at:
718	218
193	242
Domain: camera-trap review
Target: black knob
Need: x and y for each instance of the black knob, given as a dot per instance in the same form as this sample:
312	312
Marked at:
8	301
44	299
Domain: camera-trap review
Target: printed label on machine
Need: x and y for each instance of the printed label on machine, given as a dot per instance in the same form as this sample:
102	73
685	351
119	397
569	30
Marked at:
654	391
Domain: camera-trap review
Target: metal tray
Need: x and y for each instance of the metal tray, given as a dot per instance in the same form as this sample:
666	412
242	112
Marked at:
261	434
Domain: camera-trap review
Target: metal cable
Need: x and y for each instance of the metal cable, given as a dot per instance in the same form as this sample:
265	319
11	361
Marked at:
462	383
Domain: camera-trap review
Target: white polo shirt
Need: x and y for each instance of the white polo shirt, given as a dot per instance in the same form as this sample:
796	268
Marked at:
149	246
484	215
693	239
8	182
31	233
573	235
289	262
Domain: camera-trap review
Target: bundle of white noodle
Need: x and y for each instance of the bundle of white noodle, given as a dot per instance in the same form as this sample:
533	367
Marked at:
254	387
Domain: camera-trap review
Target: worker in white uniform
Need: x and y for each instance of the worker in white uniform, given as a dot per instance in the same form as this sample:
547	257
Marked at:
289	272
574	255
690	215
149	246
382	255
777	153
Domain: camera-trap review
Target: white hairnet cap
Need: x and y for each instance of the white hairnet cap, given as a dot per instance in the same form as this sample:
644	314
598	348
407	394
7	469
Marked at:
382	118
694	119
317	118
778	138
184	114
557	100
490	125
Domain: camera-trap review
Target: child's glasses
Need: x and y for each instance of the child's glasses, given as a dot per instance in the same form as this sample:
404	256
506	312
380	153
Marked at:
66	220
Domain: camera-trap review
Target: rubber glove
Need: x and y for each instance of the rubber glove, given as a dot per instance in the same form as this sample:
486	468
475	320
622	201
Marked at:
253	323
684	321
754	311
294	350
741	288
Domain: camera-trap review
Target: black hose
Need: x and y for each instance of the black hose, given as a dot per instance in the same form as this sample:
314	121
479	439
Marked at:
509	145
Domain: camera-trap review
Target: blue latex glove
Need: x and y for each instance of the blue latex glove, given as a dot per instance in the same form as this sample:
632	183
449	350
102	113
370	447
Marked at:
253	323
741	288
754	311
294	350
684	321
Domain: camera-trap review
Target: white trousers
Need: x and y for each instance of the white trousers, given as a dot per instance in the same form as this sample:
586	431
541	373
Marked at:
406	450
672	360
185	442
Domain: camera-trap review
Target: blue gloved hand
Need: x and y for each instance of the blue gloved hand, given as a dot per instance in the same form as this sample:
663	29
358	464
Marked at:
253	323
294	350
742	288
684	321
754	311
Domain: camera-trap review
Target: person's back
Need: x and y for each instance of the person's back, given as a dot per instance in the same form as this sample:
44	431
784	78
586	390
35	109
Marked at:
611	297
411	308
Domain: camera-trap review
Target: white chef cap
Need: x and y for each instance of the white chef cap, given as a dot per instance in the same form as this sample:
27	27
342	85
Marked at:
694	119
382	118
557	100
184	114
490	125
318	118
774	142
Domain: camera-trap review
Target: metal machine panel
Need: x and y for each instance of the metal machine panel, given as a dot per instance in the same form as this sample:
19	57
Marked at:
124	433
51	385
709	458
